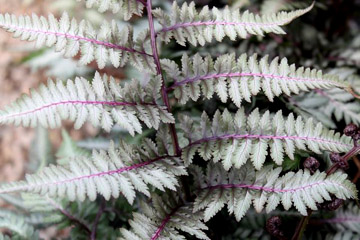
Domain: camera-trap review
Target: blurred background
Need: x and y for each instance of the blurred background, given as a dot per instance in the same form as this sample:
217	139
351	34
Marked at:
14	79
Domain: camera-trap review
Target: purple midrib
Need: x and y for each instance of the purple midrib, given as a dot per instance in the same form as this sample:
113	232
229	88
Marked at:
109	103
224	23
163	224
341	220
258	136
75	37
232	23
336	103
99	174
246	74
275	190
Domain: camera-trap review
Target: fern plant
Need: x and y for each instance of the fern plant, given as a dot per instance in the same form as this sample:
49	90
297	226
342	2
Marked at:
152	182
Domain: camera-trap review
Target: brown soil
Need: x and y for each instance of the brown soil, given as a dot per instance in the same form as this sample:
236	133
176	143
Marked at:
14	80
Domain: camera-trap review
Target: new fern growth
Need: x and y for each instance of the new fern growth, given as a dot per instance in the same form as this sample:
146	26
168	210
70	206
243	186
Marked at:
153	183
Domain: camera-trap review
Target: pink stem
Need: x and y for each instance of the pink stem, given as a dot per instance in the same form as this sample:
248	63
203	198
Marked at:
353	152
224	23
109	103
164	94
68	215
341	220
269	189
239	74
163	224
258	136
77	38
338	104
111	172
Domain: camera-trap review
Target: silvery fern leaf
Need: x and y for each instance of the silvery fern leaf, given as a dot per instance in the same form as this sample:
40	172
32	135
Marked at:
35	209
107	44
239	79
103	102
235	139
186	24
345	219
108	173
165	219
349	54
30	220
241	188
39	203
324	104
127	8
17	224
347	235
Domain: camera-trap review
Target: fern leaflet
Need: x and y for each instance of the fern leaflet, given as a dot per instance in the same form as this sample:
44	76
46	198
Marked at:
186	24
243	77
345	219
107	173
18	225
164	219
239	188
347	235
235	139
109	43
323	104
103	103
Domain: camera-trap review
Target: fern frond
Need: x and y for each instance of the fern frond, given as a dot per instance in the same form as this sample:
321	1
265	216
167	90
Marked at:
347	235
324	104
235	139
18	225
38	209
186	24
107	44
34	209
164	219
242	187
110	173
345	219
103	103
127	8
31	220
243	77
39	203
